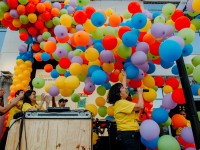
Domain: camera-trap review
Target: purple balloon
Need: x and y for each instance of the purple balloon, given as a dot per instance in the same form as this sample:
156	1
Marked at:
142	46
148	14
61	52
14	13
149	130
187	135
70	55
140	75
107	56
70	9
22	48
144	67
167	102
88	79
158	30
89	87
57	5
77	59
90	42
54	91
178	39
169	30
189	6
52	39
79	27
39	38
60	31
138	58
72	3
190	148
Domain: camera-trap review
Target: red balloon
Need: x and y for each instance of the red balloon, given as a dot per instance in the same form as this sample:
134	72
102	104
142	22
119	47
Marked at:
122	30
85	92
30	8
159	81
178	96
23	36
118	58
156	61
142	34
135	84
182	22
148	105
89	11
12	4
5	23
39	24
36	47
178	13
64	63
46	16
173	82
48	67
109	42
181	141
114	76
134	7
85	61
80	17
154	48
118	65
33	31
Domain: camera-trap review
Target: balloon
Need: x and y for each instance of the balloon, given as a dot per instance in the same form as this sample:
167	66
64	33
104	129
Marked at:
101	90
89	87
80	17
168	9
75	97
98	77
54	91
91	54
195	60
139	20
167	142
107	56
100	101
149	81
48	68
59	82
173	82
182	22
189	68
150	96
98	19
159	81
60	31
114	20
124	51
134	7
160	115
158	30
196	74
110	111
179	120
72	82
178	96
187	35
129	39
38	82
187	135
138	58
168	103
150	144
102	111
91	108
109	42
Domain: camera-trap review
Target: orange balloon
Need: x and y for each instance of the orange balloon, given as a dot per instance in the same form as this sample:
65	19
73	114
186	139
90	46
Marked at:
114	20
72	39
81	38
48	67
41	7
48	5
149	38
179	121
7	16
55	12
36	47
21	10
49	47
63	40
37	56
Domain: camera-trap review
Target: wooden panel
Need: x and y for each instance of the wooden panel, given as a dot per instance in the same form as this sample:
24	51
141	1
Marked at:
52	134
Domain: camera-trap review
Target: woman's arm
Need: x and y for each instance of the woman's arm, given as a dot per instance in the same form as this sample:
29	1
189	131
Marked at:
41	102
124	79
140	104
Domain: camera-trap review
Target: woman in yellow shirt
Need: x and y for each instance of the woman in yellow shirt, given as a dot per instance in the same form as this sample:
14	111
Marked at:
126	115
30	103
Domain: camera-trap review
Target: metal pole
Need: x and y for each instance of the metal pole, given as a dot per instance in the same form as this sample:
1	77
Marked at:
192	112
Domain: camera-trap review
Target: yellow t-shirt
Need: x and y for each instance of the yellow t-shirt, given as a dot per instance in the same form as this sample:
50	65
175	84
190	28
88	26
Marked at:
178	131
27	106
126	118
13	111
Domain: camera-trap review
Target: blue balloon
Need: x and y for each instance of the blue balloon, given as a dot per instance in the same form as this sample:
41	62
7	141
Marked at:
107	85
83	48
129	39
152	68
25	58
98	19
98	77
110	118
54	73
135	31
92	68
187	50
132	71
29	54
126	64
160	115
30	40
67	74
150	144
79	8
175	70
45	56
139	20
165	64
129	23
170	50
195	88
99	47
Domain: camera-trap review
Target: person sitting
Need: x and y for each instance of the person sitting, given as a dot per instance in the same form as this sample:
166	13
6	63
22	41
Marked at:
30	103
2	92
62	102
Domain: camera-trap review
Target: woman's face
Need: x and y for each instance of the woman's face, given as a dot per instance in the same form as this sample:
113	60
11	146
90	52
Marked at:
32	96
123	93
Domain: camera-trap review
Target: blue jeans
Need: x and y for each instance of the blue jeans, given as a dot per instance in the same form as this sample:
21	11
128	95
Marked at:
128	140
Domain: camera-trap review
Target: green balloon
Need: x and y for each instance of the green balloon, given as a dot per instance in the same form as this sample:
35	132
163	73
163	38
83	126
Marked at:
127	15
74	22
46	35
63	11
167	142
168	122
60	70
102	111
196	23
187	35
159	19
152	57
108	30
97	34
38	82
1	14
82	77
56	21
124	51
65	46
189	68
23	19
75	97
198	113
101	90
49	24
82	2
196	60
77	52
42	45
196	74
55	57
168	9
4	6
155	88
23	2
193	14
22	30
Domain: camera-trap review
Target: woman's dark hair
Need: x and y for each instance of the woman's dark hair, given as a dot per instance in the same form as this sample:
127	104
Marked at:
114	93
17	93
26	96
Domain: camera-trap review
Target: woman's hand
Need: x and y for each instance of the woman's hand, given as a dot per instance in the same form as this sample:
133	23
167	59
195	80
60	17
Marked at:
43	97
140	90
123	72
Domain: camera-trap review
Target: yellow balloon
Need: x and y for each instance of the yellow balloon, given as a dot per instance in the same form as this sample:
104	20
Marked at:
17	71
149	81
193	27
28	63
196	6
96	62
32	17
47	87
89	27
171	22
84	69
12	87
100	101
66	20
19	61
16	23
72	82
72	30
110	111
94	138
75	69
91	54
91	108
109	12
66	2
66	92
167	89
108	67
26	73
146	27
59	82
150	96
22	66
